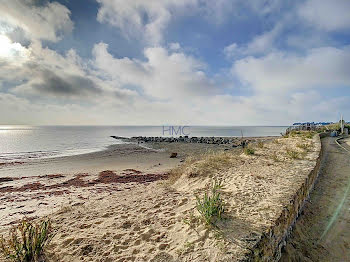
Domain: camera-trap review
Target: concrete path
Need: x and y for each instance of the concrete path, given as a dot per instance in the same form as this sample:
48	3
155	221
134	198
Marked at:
322	232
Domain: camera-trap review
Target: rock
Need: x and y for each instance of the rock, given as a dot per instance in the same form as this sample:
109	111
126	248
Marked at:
173	155
6	179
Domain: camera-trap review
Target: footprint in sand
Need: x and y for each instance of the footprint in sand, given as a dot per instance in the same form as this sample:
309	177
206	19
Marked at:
146	236
67	241
183	202
126	224
118	248
162	246
137	242
118	236
136	228
162	257
87	249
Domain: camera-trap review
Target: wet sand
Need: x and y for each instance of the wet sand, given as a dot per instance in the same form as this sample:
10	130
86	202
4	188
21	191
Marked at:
116	157
322	232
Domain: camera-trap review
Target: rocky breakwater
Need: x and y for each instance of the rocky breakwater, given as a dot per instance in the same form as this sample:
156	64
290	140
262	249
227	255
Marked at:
234	141
185	139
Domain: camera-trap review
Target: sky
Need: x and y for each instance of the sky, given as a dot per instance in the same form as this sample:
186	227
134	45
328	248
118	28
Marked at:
180	62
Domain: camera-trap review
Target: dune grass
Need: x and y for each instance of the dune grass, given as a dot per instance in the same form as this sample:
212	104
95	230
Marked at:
304	146
211	205
249	151
206	164
293	154
304	134
26	242
275	157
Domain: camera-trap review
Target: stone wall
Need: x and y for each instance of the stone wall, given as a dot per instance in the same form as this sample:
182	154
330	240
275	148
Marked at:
268	248
234	141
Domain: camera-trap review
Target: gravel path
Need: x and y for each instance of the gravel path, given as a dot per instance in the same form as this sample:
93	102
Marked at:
322	232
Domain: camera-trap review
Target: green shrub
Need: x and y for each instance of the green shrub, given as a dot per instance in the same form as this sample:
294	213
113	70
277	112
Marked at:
249	151
26	242
310	134
292	154
211	206
304	146
295	133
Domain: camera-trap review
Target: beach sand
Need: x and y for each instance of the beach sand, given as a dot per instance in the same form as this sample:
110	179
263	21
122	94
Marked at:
133	212
40	187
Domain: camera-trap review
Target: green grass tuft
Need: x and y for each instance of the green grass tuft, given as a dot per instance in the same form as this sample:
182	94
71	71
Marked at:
304	146
211	206
26	242
304	134
249	151
292	154
275	157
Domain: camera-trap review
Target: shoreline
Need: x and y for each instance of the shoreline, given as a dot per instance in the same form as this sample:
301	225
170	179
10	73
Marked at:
11	167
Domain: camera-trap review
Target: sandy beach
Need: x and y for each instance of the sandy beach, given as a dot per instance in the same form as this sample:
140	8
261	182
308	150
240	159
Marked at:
132	203
39	187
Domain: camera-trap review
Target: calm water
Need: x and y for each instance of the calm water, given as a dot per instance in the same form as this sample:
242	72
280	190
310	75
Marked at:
22	143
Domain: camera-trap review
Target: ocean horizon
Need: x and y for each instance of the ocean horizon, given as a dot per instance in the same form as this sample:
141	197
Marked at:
24	143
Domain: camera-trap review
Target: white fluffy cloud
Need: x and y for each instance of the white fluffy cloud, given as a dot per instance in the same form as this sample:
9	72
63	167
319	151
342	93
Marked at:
146	19
163	75
327	15
259	45
48	22
279	71
149	19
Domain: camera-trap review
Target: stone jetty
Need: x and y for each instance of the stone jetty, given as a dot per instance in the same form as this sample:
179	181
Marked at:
233	141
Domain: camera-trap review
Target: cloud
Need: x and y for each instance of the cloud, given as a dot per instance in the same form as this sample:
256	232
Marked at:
46	22
231	50
282	71
146	19
46	74
260	44
51	83
220	11
174	46
327	15
163	75
13	51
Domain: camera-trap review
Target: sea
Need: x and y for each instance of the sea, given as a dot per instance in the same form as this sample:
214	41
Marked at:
24	143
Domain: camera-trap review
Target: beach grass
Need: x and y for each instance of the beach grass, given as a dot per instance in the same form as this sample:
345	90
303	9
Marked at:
205	164
26	242
211	205
304	146
303	134
292	153
249	151
275	157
